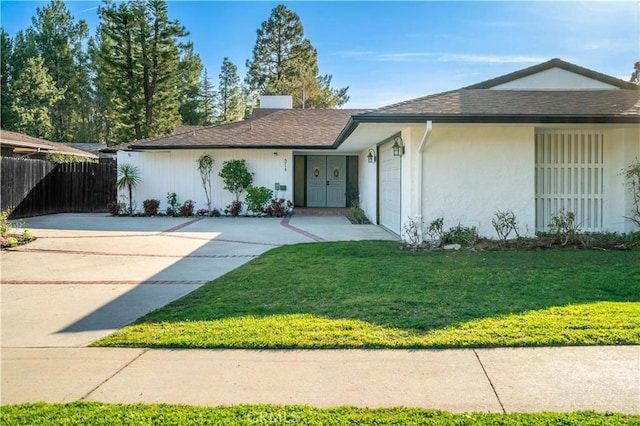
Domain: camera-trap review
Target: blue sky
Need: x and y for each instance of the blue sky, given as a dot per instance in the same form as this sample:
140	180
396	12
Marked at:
388	52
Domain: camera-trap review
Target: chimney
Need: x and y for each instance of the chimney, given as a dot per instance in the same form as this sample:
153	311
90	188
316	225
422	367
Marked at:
276	102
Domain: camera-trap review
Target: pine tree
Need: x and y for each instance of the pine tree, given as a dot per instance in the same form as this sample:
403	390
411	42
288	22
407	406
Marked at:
138	70
58	40
284	62
230	94
208	100
635	76
34	92
7	119
190	87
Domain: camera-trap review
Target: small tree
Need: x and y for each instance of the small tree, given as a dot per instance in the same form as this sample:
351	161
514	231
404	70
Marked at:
632	176
128	177
205	167
236	177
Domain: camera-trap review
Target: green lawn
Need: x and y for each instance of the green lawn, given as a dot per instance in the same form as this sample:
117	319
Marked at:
87	413
373	295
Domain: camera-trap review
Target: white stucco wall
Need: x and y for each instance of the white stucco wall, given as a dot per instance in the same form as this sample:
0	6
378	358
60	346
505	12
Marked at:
471	172
622	147
177	171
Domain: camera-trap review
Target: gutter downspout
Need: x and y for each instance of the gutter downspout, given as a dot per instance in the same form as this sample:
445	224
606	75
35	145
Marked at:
423	144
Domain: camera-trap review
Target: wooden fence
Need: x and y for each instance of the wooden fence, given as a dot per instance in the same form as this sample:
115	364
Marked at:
38	187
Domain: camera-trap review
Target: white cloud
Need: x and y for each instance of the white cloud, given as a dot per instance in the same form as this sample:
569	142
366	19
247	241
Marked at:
404	57
492	59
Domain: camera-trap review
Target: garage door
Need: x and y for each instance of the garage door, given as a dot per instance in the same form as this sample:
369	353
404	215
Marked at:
389	189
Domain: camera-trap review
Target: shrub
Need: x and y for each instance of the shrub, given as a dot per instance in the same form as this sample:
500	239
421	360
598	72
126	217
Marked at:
202	212
150	207
257	198
27	235
174	206
10	242
435	232
235	176
414	234
505	222
462	235
215	213
279	207
356	214
115	208
5	225
186	210
234	208
632	176
563	226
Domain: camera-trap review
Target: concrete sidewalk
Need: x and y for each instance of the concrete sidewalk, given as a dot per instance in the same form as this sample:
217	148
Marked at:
490	380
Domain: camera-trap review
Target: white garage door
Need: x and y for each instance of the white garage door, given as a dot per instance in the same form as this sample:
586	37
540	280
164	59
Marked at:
389	187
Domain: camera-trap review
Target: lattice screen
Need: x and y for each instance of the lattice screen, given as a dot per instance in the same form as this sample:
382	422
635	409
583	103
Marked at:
569	176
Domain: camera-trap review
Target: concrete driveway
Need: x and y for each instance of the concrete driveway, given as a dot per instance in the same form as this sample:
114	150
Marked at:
87	275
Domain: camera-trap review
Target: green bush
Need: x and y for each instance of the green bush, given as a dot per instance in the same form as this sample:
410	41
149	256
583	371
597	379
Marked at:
27	235
257	198
462	235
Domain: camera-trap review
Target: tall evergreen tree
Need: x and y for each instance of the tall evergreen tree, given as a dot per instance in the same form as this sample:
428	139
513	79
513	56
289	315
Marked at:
208	97
635	76
7	119
58	39
190	87
231	103
34	92
138	67
284	62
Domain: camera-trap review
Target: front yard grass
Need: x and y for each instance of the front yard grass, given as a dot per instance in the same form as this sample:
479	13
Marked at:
93	413
372	295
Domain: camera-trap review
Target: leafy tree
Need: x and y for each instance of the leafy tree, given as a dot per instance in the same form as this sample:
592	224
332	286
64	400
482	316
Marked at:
138	67
230	94
284	62
129	178
635	76
205	167
236	177
34	93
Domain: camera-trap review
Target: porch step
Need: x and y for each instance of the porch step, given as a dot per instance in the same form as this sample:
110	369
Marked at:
310	211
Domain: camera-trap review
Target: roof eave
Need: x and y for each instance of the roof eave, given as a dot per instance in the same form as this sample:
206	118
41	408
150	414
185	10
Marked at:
479	119
181	147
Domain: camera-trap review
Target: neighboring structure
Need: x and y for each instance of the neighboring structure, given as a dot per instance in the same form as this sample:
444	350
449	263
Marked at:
550	137
95	148
14	144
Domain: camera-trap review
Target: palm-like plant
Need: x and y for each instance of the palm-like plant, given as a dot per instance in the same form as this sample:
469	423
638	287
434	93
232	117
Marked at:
128	177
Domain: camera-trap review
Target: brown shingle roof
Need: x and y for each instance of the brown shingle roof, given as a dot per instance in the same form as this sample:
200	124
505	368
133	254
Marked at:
266	128
20	140
482	102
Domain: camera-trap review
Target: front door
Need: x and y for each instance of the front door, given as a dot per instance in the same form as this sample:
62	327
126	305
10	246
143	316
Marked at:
326	181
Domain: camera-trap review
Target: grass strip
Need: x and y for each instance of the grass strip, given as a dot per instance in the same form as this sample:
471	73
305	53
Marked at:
93	413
